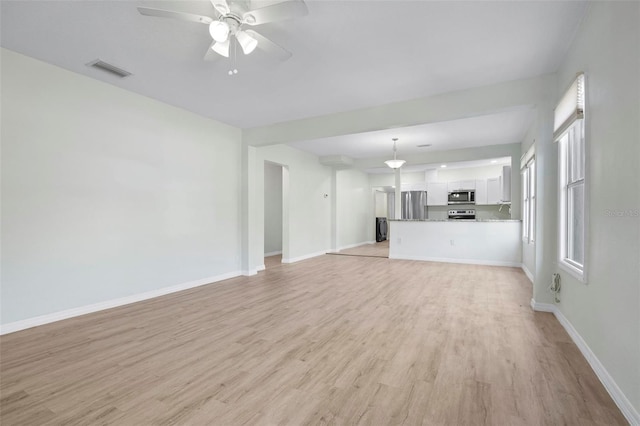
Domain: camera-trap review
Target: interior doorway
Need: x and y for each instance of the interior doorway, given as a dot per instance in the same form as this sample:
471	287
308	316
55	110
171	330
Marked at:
379	244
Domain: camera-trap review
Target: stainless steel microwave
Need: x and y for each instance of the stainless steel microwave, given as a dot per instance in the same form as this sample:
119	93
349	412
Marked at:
462	197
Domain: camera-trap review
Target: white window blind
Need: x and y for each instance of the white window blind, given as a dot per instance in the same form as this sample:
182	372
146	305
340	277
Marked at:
527	156
570	108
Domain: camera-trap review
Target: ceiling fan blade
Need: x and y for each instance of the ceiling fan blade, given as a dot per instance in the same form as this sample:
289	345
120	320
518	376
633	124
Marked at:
211	55
270	47
276	12
221	6
161	13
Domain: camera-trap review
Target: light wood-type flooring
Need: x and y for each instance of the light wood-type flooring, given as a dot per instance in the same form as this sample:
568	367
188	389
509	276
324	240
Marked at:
380	249
330	340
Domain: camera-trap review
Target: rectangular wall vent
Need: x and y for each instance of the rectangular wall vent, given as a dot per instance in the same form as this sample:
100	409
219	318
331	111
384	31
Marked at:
111	69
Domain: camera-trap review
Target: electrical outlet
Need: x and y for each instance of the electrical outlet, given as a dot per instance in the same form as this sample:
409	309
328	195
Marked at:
399	240
452	242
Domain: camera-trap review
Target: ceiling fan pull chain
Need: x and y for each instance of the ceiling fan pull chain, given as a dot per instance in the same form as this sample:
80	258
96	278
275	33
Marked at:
235	60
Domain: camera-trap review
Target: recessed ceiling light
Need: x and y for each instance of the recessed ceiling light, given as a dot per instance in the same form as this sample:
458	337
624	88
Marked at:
443	166
494	161
424	145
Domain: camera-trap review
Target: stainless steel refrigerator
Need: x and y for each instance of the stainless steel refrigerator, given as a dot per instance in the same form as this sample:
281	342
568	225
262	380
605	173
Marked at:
413	205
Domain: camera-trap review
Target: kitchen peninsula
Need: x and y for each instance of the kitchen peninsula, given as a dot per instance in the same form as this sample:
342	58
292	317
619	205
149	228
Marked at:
482	242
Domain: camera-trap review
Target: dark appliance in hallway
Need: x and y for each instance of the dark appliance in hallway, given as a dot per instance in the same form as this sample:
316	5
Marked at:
381	229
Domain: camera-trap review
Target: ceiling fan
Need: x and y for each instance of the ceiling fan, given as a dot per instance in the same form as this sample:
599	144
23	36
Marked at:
232	17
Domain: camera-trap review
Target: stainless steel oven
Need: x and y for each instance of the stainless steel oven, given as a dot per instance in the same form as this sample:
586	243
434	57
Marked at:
462	197
462	214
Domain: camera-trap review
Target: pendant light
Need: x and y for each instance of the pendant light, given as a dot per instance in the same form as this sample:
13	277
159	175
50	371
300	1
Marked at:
395	163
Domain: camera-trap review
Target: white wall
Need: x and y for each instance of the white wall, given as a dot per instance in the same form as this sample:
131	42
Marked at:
307	216
605	311
380	204
272	208
355	220
106	193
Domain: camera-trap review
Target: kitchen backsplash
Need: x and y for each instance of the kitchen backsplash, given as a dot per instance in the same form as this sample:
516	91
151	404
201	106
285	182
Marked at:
482	212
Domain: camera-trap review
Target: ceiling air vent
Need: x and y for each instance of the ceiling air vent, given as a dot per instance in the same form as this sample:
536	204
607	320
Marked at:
337	161
111	69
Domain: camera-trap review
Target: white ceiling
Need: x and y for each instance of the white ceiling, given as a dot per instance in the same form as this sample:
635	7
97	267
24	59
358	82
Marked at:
491	129
346	54
413	168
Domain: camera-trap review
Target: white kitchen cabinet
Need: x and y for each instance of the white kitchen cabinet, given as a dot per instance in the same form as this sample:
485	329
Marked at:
437	194
494	190
461	184
505	185
417	186
468	184
481	192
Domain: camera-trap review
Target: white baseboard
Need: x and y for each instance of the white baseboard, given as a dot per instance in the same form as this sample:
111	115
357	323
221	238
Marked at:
261	267
100	306
273	253
623	403
306	256
351	246
527	272
465	261
249	273
542	307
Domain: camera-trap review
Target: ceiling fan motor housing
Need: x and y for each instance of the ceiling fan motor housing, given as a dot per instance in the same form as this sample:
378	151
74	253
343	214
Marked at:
233	21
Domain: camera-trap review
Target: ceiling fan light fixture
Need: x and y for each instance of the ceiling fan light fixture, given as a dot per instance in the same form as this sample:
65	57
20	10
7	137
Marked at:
249	19
247	42
221	48
219	31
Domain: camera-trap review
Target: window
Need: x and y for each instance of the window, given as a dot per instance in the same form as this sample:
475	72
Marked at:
529	202
572	191
525	205
570	135
532	201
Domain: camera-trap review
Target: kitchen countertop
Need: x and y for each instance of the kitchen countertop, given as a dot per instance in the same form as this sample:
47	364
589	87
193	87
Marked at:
454	220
